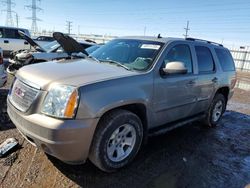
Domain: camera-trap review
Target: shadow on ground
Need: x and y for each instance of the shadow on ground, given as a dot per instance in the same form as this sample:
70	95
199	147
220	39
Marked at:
191	156
5	123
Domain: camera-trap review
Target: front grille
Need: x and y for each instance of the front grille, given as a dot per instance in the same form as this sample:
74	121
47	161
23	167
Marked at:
22	95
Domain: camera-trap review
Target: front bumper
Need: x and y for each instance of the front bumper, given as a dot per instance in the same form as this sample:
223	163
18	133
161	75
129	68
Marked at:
67	140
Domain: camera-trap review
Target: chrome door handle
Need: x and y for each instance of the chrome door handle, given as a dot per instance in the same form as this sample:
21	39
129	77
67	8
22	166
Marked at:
215	80
191	83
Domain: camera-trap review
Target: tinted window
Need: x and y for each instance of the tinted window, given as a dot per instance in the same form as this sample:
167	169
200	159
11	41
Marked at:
182	54
225	59
205	59
11	33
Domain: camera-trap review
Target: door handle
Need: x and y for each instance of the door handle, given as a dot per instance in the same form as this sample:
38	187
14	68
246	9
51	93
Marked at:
6	41
26	43
215	80
191	83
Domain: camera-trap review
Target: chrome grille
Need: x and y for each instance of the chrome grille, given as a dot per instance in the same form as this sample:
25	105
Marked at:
22	95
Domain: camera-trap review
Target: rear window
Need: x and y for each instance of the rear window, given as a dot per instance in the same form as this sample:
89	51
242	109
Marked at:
205	59
225	59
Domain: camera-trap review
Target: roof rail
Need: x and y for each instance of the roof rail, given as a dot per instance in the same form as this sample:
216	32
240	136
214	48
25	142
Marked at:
201	40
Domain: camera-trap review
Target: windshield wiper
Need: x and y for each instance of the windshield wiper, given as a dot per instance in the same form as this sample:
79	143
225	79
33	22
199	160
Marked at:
114	62
94	58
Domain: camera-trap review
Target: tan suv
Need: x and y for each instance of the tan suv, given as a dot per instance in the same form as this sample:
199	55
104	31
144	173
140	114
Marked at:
104	106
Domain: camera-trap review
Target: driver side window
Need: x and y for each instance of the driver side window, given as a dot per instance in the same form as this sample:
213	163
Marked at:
180	53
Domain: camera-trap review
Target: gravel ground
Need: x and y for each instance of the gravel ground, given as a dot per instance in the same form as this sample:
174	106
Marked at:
190	156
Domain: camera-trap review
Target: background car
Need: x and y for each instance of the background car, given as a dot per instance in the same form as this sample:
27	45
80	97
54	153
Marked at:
62	48
3	75
43	40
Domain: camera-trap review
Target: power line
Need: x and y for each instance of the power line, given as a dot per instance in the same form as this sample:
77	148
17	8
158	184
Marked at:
69	26
34	8
9	4
186	29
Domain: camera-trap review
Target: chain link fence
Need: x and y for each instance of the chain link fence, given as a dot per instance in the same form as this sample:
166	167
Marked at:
241	58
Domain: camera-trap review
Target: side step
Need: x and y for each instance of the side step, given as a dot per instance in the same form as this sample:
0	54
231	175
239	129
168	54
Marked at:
170	126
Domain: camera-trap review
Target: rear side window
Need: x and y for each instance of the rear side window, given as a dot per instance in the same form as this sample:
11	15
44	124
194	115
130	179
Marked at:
181	53
205	59
11	34
225	59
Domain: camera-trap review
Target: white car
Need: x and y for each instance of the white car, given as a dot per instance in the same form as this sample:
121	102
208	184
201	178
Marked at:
3	75
10	40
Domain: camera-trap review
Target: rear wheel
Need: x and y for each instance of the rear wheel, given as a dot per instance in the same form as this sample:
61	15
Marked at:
215	111
117	140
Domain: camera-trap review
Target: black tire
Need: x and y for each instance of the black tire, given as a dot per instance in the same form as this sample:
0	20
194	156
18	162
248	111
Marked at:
209	121
106	127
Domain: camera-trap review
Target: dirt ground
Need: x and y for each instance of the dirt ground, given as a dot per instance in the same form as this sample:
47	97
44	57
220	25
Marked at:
190	156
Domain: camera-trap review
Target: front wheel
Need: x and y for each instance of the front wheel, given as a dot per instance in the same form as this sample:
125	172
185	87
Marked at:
215	111
117	140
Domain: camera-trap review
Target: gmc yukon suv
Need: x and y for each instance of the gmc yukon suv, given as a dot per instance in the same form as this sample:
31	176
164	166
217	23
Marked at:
103	107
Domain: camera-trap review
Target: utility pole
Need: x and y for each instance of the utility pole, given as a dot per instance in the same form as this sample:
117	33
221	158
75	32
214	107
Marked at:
9	4
186	29
79	30
69	26
34	8
144	31
17	20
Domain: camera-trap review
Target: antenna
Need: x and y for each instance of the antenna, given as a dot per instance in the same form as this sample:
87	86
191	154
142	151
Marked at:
9	4
186	29
34	8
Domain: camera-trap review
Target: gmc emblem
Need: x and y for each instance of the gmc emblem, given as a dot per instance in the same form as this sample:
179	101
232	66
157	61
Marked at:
19	92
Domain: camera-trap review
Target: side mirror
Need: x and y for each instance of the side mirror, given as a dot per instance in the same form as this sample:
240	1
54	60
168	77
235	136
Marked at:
175	67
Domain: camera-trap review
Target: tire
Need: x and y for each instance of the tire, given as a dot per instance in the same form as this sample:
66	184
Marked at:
116	131
218	103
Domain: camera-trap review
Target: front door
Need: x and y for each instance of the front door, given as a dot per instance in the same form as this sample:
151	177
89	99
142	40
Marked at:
175	96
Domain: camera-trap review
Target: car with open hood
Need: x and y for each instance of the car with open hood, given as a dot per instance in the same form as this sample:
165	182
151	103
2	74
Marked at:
63	47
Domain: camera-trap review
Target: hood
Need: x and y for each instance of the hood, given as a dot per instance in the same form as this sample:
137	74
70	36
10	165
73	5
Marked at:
77	72
30	41
69	44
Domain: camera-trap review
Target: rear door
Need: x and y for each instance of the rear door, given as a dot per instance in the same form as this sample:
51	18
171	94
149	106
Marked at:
175	96
207	79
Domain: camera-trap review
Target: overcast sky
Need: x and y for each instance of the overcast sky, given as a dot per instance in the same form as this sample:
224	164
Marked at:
226	21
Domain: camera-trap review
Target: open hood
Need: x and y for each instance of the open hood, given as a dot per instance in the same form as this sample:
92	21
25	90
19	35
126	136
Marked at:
31	41
69	44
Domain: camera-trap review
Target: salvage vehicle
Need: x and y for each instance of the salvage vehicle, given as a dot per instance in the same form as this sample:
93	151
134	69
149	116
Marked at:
44	38
104	107
62	48
10	40
3	75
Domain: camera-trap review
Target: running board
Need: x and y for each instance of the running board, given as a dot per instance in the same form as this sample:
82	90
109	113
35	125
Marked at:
170	126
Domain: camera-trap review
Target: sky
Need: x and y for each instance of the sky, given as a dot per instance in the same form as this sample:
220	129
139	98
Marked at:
223	21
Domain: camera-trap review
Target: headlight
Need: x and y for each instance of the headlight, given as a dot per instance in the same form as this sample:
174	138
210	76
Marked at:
61	102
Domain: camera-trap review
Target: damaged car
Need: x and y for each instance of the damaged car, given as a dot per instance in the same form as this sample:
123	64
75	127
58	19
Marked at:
64	47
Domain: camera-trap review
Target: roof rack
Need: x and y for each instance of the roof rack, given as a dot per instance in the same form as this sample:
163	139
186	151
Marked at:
201	40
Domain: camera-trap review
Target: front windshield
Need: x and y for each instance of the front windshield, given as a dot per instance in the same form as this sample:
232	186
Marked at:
133	54
51	46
